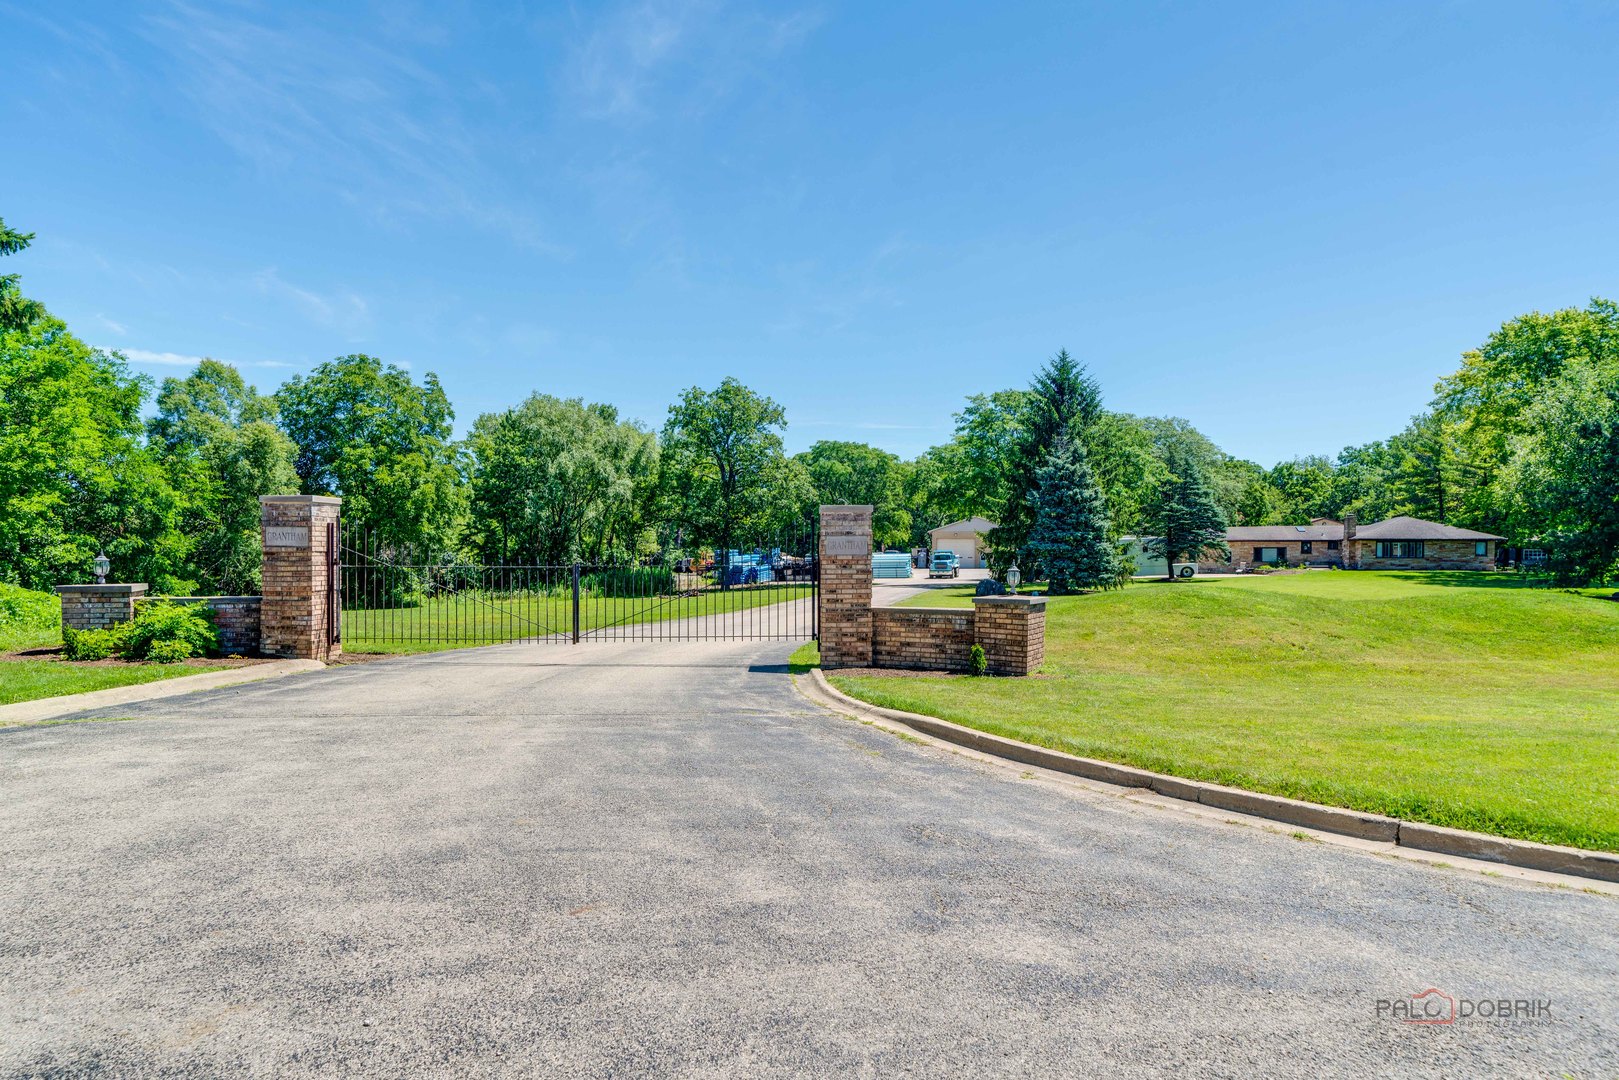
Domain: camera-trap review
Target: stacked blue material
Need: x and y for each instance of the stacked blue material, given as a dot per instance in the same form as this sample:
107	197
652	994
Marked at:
751	567
890	565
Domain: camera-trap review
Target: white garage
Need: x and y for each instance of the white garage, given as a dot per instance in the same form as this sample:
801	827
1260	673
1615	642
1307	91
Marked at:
965	538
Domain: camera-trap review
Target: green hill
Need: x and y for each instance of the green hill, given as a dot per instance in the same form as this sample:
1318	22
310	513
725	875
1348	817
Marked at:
1454	699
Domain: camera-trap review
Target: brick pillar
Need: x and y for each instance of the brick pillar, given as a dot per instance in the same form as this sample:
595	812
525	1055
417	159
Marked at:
293	615
96	607
845	586
1012	630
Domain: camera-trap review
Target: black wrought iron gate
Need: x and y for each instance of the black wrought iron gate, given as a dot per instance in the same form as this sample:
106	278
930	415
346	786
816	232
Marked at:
393	599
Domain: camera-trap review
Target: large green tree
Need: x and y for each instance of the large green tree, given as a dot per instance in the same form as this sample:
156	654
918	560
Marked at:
218	440
557	480
1063	402
74	475
1564	473
1304	488
1072	535
851	473
1185	518
936	493
726	481
17	312
368	433
987	450
1487	409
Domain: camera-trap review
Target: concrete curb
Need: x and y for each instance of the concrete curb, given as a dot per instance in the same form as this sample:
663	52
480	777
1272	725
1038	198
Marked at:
1601	865
29	712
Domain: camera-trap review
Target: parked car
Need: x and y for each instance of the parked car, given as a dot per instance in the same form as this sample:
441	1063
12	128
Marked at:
944	564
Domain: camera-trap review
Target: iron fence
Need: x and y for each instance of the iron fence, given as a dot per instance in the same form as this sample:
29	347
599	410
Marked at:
391	597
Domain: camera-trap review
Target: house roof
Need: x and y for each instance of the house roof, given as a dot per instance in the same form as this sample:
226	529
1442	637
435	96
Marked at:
1395	528
1410	528
1278	533
970	525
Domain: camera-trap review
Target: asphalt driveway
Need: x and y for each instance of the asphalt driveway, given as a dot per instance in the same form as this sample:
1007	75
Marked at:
658	859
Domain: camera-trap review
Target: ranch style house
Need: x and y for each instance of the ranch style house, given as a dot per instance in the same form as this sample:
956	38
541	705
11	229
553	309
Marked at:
1400	543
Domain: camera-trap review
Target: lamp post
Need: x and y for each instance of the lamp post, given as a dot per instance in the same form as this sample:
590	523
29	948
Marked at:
1014	577
102	565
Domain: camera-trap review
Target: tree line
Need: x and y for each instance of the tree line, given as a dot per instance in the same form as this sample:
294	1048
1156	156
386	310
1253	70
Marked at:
1523	440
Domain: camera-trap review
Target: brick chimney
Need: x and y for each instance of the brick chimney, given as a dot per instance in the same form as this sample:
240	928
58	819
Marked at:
1351	557
1349	525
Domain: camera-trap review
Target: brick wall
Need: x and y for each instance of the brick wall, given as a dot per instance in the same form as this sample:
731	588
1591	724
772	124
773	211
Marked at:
845	592
235	617
293	617
1436	555
1012	630
96	607
1242	553
921	639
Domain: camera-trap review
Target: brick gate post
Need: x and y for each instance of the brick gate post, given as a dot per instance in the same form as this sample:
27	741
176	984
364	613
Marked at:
845	586
293	618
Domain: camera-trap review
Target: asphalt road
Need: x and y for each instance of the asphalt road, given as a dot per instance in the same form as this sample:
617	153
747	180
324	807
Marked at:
658	859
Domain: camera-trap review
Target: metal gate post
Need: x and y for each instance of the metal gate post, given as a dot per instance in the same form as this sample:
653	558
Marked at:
334	583
576	603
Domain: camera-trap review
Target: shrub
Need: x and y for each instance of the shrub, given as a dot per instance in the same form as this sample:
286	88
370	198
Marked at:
167	651
629	581
168	632
977	662
24	609
93	644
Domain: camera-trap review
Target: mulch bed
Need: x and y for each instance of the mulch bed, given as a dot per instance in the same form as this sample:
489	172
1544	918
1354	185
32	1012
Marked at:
908	673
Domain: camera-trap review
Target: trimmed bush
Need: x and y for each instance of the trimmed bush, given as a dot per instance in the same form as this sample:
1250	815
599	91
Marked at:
977	662
168	651
162	632
93	644
168	632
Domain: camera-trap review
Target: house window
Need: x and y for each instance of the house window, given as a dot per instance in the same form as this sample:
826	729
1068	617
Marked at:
1270	554
1306	547
1481	547
1334	545
1399	549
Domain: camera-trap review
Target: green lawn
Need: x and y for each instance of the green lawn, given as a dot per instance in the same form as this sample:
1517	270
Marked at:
1457	699
29	680
470	619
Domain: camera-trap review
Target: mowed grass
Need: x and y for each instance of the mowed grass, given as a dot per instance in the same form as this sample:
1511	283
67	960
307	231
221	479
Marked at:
30	680
1456	699
471	619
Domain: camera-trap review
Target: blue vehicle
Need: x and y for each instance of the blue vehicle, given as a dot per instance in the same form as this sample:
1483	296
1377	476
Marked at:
944	564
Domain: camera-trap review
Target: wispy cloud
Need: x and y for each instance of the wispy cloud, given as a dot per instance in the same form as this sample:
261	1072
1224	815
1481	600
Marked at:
689	53
349	107
116	327
170	359
344	310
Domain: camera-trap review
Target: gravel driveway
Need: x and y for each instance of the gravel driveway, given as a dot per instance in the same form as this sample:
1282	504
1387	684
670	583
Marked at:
658	859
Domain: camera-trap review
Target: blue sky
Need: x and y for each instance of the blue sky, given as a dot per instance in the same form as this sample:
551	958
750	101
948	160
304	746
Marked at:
1280	221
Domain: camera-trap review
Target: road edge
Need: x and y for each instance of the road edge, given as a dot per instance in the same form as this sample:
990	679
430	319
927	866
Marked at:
1526	854
29	712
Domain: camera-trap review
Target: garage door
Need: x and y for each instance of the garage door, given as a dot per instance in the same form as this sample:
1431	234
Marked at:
966	550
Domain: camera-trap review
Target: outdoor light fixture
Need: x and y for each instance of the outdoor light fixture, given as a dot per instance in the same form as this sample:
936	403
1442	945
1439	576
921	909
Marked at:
102	565
1013	577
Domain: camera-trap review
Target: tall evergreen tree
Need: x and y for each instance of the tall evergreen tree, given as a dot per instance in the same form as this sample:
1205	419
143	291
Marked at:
17	312
1070	536
1063	402
1186	516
